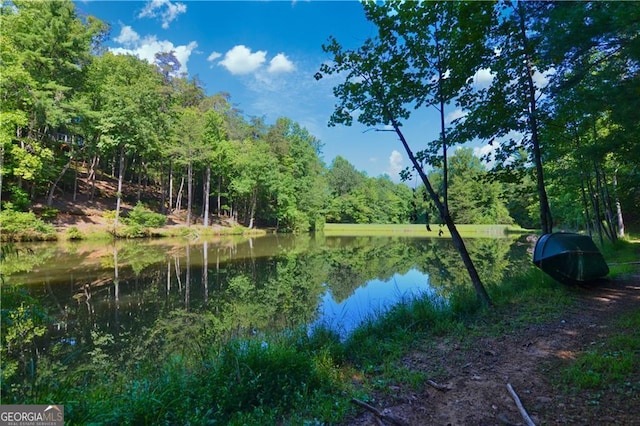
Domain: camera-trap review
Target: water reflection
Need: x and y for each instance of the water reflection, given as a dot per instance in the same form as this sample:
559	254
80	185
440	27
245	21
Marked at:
373	298
168	296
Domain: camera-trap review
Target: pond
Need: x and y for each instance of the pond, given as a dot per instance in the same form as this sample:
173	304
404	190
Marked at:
128	292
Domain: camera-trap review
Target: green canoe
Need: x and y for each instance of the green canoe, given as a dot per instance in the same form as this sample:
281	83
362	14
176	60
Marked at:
569	258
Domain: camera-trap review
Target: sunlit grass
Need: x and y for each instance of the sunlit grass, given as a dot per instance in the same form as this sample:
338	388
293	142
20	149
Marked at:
612	364
346	229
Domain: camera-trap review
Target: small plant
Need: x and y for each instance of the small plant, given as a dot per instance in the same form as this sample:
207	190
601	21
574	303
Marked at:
74	233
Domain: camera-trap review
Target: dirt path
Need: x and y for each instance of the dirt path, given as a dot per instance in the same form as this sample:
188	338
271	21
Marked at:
527	359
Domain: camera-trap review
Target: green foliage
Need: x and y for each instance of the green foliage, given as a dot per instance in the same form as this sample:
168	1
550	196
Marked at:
24	226
73	233
145	218
22	322
255	374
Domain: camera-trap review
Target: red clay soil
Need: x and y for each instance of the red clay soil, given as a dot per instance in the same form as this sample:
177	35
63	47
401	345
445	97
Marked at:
528	359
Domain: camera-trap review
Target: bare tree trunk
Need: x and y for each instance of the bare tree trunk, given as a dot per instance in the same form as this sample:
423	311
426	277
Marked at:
252	208
207	190
170	186
597	222
179	195
611	218
54	185
92	175
75	180
119	193
618	206
219	196
458	242
163	195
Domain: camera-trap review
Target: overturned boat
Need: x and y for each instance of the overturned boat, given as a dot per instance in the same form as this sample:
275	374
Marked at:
569	258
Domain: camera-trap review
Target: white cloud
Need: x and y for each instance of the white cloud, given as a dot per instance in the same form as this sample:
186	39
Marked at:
127	36
280	63
240	60
483	78
214	56
541	80
395	163
486	154
166	10
146	47
458	113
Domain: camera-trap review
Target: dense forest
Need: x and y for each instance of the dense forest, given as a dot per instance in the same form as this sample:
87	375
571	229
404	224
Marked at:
564	93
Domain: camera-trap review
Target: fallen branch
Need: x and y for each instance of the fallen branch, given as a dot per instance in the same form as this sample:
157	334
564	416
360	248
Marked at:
524	413
379	414
438	386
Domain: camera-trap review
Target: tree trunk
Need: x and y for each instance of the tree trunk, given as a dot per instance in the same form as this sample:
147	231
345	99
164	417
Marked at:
252	209
597	223
54	185
618	206
219	196
170	187
585	206
75	179
119	193
458	242
92	175
207	190
546	221
179	195
163	195
189	191
139	192
606	196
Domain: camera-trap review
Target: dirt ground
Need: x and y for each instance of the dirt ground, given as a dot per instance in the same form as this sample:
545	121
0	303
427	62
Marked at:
477	378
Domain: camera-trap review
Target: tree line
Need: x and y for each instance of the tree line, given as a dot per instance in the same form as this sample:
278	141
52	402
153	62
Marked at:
71	109
561	94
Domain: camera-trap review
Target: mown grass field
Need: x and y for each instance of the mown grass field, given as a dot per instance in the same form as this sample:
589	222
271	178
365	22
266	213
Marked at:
346	229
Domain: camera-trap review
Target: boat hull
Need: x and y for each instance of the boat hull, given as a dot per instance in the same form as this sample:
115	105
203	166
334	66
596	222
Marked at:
569	258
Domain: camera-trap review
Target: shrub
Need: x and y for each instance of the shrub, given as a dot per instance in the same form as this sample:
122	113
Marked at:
74	233
24	226
145	218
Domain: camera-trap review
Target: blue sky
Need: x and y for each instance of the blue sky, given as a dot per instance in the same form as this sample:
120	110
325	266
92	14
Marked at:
264	54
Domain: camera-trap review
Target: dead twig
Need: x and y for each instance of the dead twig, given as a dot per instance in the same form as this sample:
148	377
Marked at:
438	386
523	412
379	414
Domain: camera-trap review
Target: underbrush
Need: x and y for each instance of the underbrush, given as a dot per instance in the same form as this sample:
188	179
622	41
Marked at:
24	226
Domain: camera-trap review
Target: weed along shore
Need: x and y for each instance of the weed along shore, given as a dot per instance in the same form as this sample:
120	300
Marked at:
554	353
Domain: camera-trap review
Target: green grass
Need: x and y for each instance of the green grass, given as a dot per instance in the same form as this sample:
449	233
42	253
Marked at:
611	365
346	229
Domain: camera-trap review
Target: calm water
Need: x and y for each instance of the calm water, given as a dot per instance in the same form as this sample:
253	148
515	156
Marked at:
140	290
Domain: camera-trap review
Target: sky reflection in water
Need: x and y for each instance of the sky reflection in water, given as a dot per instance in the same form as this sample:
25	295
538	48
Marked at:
369	300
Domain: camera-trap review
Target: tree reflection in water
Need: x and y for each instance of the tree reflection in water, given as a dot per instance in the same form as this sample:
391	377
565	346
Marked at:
154	298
